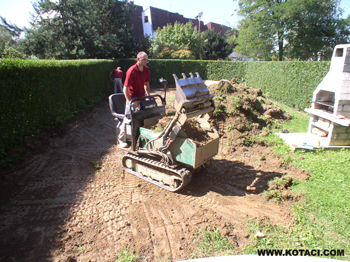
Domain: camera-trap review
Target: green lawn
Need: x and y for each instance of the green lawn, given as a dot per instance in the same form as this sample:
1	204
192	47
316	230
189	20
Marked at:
322	217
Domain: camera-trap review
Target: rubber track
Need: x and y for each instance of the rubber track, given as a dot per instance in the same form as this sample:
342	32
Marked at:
181	172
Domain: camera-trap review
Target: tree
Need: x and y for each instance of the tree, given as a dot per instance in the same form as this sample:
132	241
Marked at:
214	46
5	38
231	36
268	26
142	43
76	29
9	34
178	41
262	27
10	52
13	30
312	38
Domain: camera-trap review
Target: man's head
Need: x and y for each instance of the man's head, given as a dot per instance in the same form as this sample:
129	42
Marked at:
119	68
142	58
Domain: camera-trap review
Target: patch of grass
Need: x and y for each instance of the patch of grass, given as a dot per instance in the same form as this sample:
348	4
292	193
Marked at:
171	99
230	128
248	142
306	233
322	218
170	113
279	189
126	256
278	237
299	122
83	248
262	157
328	191
235	101
156	129
212	244
97	164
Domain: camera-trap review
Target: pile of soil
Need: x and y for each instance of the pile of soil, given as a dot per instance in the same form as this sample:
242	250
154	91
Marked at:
280	190
243	112
191	128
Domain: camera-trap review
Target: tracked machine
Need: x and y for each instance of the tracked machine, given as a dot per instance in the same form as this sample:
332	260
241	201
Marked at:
167	158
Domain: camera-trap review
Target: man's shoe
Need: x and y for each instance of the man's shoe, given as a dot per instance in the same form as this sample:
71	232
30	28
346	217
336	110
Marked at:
123	144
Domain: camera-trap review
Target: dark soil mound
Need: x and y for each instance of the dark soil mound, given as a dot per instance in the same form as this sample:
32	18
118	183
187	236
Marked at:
243	112
191	128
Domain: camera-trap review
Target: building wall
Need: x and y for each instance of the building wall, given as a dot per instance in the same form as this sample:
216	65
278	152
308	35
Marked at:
221	29
147	23
149	20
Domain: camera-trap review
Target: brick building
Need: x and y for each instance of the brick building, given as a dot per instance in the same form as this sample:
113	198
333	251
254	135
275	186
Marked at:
147	21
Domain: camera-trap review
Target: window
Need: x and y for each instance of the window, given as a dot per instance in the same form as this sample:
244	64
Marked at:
339	52
146	19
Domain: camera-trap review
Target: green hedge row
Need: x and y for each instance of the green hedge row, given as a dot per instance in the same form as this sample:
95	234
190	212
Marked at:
166	68
291	83
38	94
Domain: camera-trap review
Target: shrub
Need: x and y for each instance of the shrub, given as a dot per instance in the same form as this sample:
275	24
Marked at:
37	94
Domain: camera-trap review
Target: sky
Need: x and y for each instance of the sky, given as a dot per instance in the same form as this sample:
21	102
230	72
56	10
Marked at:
221	12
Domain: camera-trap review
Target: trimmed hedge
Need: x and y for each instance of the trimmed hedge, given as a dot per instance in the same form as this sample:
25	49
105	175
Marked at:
217	70
166	68
38	94
291	83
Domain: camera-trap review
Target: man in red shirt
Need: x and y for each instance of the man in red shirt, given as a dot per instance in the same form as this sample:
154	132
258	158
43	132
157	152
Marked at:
137	78
118	84
136	85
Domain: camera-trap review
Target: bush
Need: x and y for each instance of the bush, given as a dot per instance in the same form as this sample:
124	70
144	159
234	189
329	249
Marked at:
37	94
291	83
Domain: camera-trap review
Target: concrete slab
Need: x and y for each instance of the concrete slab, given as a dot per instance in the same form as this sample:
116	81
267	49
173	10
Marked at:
305	141
210	82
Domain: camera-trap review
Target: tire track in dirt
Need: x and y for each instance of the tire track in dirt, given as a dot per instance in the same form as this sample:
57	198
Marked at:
52	190
162	229
76	203
99	216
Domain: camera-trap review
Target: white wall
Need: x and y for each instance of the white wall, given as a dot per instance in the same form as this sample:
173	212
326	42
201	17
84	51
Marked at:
147	27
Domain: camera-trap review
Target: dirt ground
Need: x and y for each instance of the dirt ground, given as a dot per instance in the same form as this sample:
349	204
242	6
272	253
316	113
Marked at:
70	199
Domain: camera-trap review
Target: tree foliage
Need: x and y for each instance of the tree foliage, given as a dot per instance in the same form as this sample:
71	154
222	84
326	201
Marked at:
5	38
13	30
231	37
298	29
9	35
214	46
315	34
12	53
178	41
78	29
